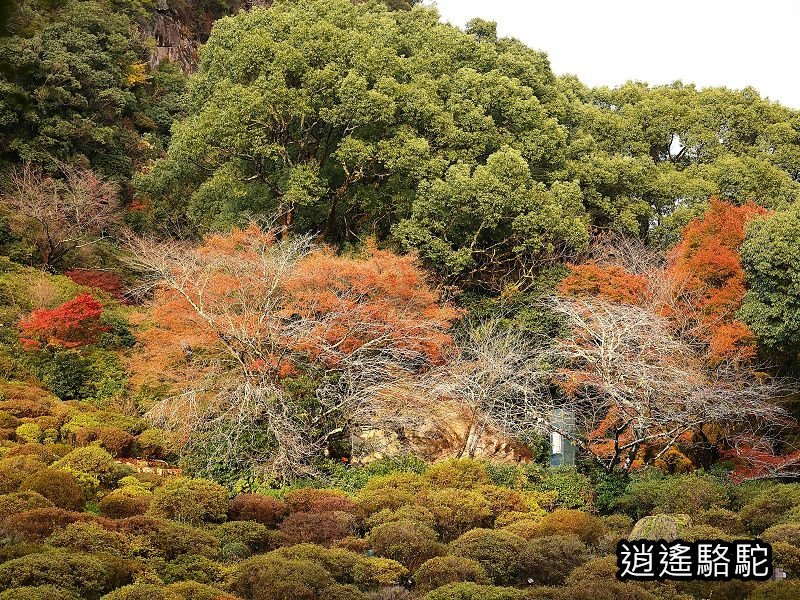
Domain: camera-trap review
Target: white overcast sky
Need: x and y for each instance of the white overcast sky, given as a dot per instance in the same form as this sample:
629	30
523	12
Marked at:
734	43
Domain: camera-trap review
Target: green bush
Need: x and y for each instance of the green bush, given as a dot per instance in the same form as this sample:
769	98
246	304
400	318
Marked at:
339	562
721	518
125	502
89	537
190	501
273	578
193	567
93	460
38	592
548	560
193	590
373	573
255	536
497	551
463	473
565	522
441	570
257	507
674	494
409	543
574	489
409	512
319	500
153	443
87	575
769	507
474	591
787	557
456	511
18	502
776	590
60	487
785	532
144	591
341	591
173	540
14	470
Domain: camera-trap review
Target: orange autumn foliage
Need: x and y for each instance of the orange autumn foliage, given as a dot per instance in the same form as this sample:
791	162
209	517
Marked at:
709	279
610	282
238	295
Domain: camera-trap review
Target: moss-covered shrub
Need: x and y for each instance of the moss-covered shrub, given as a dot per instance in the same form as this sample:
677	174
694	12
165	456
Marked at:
373	573
89	537
194	567
339	562
18	502
14	470
572	522
548	560
318	528
441	570
152	444
675	494
776	590
257	507
474	591
462	473
93	460
38	592
125	502
255	536
89	576
273	578
769	507
409	512
497	551
142	591
190	501
60	487
341	591
785	532
407	542
320	500
787	557
721	518
455	510
390	491
193	590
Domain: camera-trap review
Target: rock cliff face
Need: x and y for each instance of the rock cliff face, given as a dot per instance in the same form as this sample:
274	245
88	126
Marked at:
174	41
179	27
445	430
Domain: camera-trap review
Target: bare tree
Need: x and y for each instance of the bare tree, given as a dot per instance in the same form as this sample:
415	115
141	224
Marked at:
60	215
635	390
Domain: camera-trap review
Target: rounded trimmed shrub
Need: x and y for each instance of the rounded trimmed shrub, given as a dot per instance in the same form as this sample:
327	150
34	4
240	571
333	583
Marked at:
14	470
254	536
548	560
409	543
343	591
474	591
60	487
273	578
769	507
193	567
566	521
117	441
463	473
497	551
39	523
318	528
373	573
89	537
125	502
257	507
441	570
193	590
38	592
18	502
84	574
456	511
785	532
339	562
190	501
142	591
319	500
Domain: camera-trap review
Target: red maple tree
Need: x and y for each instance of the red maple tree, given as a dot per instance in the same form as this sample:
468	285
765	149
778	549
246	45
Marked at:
73	324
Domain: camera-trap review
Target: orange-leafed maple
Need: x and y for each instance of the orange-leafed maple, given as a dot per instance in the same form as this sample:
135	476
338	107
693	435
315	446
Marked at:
707	273
75	323
270	304
610	282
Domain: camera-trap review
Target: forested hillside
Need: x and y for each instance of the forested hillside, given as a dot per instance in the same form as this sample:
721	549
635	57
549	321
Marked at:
296	296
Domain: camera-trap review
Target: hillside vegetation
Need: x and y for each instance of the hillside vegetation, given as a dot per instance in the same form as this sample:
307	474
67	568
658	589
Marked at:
260	263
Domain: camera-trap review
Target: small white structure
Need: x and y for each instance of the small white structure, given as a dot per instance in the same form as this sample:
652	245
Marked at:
562	451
